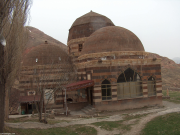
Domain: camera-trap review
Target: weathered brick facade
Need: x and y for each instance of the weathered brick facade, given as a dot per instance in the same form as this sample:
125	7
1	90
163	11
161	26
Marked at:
113	57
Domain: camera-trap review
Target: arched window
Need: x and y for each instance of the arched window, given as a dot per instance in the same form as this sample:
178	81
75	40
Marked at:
129	84
151	86
106	90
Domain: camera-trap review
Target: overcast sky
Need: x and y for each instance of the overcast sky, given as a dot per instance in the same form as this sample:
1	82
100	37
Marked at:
155	22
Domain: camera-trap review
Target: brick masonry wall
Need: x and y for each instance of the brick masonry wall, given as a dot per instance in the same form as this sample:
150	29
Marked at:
28	81
128	103
111	73
85	30
73	46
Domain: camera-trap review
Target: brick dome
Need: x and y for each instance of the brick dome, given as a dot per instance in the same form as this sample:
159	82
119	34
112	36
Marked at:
112	38
85	25
45	54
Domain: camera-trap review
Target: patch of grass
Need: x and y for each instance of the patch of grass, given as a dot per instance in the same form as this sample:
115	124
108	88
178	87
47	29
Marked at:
105	117
86	131
110	125
174	96
52	122
22	119
129	117
163	125
70	130
30	119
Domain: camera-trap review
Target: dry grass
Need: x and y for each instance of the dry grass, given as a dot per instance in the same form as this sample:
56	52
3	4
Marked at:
174	96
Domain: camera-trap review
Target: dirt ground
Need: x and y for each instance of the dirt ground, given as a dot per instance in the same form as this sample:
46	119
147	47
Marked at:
148	114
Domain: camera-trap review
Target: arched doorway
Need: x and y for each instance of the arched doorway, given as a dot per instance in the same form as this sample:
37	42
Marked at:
129	84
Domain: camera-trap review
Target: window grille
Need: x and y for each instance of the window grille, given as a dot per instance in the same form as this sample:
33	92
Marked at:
80	47
106	90
129	85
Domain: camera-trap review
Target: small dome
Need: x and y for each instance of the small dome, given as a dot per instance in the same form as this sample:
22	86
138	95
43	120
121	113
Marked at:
112	38
85	25
44	54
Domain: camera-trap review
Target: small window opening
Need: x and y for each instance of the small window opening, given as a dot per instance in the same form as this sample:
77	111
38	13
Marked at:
103	58
69	100
80	47
36	59
114	57
60	58
48	96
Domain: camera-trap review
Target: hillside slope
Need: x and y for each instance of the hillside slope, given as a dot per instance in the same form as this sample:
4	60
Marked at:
170	71
176	59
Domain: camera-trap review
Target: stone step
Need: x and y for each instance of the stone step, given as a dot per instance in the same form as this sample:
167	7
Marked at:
88	109
85	111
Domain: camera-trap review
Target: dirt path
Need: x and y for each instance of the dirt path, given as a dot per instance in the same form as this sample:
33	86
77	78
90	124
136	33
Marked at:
101	131
135	130
62	124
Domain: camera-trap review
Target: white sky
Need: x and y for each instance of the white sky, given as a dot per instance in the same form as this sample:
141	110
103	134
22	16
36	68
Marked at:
155	22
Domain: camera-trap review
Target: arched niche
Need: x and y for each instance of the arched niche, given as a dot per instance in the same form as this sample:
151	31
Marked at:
151	86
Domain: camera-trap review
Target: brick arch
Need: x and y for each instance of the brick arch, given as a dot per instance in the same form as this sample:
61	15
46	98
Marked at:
151	85
122	71
151	75
105	78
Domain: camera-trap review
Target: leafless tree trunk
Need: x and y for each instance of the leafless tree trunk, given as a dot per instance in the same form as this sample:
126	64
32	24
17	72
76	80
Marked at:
13	16
2	89
14	101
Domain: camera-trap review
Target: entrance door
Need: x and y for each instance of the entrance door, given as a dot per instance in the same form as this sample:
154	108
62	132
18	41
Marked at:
89	91
29	108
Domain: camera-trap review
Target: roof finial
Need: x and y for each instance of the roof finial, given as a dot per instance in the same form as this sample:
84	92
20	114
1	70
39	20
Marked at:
91	10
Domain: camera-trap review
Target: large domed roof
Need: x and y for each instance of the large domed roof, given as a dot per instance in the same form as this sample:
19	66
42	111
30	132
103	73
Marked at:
112	38
85	25
91	17
45	54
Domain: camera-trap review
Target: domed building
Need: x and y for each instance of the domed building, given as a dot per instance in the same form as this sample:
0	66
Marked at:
82	28
45	54
113	71
114	60
45	69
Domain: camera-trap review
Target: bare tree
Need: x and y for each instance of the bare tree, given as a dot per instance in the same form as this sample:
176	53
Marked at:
13	16
14	101
49	80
